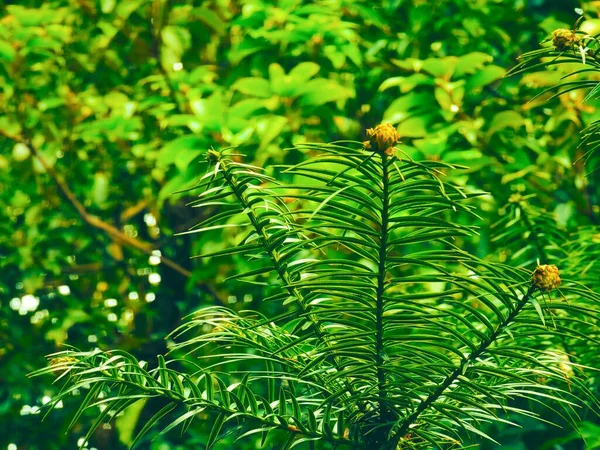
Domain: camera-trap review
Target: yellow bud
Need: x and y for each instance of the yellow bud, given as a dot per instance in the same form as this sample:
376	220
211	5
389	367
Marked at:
546	277
563	39
382	139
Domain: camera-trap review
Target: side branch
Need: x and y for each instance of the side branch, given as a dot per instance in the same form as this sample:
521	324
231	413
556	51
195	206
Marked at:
281	271
483	346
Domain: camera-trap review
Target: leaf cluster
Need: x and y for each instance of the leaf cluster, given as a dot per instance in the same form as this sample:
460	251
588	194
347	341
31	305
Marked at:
378	342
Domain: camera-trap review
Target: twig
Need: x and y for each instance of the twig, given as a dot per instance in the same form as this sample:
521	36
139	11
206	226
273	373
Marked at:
109	229
450	378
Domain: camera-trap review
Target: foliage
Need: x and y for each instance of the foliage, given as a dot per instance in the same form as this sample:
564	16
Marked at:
384	343
106	107
577	52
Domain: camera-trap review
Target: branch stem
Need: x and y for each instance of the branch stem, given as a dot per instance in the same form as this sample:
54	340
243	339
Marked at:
281	270
381	273
483	346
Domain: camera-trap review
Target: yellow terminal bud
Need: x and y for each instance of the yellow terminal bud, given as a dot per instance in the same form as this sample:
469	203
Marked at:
563	39
382	139
546	277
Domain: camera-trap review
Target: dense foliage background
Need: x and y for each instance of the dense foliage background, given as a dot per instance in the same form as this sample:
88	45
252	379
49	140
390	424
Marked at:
108	106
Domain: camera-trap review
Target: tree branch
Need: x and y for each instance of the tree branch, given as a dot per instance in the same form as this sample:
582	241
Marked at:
113	232
483	346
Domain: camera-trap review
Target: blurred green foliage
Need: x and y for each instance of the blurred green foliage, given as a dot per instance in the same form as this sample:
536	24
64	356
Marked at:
108	105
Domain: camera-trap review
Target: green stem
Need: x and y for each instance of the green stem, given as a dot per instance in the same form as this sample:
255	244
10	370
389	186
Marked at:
198	403
483	346
381	272
264	237
281	271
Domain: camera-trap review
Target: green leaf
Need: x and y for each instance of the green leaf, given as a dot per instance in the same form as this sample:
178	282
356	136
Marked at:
282	402
210	18
320	91
417	126
210	111
182	151
269	129
153	421
471	63
255	86
176	39
107	6
7	52
484	77
215	431
538	310
407	105
304	72
503	120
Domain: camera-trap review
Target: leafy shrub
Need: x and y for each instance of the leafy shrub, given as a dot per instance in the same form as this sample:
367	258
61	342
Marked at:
384	332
